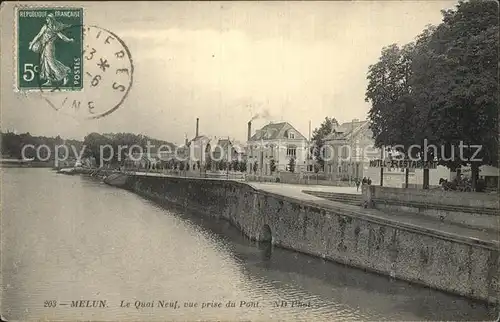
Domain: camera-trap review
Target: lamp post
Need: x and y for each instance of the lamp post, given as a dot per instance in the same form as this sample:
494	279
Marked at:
202	151
308	152
382	167
349	167
228	154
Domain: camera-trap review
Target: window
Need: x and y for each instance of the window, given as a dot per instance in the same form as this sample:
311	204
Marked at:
291	135
291	151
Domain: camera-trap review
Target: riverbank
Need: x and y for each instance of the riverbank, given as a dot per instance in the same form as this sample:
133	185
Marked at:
25	164
463	265
98	173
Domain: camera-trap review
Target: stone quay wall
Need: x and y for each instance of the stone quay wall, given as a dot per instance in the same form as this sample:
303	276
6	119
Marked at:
438	197
450	263
469	209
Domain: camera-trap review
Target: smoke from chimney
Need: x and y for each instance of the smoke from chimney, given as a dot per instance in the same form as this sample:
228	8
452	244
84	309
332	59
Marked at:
262	115
249	135
197	126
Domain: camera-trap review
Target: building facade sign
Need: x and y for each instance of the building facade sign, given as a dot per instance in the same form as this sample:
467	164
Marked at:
403	164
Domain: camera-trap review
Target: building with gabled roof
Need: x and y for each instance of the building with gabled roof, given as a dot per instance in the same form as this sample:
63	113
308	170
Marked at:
197	148
350	146
276	143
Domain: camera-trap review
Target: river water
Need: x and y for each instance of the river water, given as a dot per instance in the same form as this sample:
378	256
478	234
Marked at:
71	238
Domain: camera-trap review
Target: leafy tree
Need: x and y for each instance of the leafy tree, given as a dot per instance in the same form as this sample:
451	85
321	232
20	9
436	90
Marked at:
272	165
93	143
208	162
120	144
243	166
291	164
441	90
235	165
12	146
456	84
170	164
181	166
318	139
392	105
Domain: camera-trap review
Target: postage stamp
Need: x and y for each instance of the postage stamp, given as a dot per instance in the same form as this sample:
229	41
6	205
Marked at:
49	48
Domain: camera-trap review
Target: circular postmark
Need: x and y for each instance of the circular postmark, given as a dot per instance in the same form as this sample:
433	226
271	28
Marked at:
97	80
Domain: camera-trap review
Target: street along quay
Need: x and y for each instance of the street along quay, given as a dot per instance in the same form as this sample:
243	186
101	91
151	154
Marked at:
443	255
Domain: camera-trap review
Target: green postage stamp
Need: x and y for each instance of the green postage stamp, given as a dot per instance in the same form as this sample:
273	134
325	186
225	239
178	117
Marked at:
49	49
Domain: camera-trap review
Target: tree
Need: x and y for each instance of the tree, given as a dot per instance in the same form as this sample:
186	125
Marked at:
235	165
445	86
456	85
318	139
208	163
221	165
272	165
94	142
392	105
291	165
243	166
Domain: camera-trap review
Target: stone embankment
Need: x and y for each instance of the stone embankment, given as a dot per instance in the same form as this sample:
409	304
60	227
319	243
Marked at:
343	233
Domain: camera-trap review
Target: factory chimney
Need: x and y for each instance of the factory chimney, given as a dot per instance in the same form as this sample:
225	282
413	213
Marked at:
197	126
249	135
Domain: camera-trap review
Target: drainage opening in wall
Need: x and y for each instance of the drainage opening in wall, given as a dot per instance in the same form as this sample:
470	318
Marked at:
266	234
266	242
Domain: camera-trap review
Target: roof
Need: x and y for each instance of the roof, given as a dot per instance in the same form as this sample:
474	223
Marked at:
276	131
199	137
224	142
347	129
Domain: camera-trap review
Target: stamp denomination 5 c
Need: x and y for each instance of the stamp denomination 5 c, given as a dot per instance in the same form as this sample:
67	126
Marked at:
49	49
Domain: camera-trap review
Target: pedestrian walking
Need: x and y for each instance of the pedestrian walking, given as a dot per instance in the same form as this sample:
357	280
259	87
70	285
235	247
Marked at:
365	181
357	184
369	181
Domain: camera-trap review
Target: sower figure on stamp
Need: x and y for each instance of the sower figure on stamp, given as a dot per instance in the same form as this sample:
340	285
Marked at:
51	69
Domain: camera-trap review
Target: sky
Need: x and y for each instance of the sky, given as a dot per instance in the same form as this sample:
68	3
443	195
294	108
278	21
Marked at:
225	62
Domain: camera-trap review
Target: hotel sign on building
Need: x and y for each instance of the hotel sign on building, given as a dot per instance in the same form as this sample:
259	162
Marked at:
403	164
